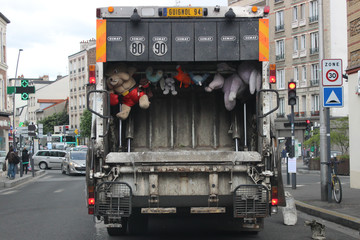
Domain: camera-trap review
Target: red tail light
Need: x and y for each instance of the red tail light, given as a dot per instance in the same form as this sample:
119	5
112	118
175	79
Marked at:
274	201
92	79
274	196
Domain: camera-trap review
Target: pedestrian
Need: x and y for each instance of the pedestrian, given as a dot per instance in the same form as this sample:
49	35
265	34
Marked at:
283	156
25	160
10	157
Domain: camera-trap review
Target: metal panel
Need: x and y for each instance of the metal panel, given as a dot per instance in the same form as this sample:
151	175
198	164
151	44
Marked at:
228	38
137	41
160	42
205	41
249	39
115	41
183	41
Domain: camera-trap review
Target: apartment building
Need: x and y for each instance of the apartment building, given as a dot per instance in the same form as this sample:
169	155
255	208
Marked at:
4	113
353	70
294	48
79	75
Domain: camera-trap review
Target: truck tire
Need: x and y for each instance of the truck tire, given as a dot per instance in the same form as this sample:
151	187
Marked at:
138	224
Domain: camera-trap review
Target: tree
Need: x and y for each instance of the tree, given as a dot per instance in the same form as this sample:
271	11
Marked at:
314	140
340	133
85	123
54	120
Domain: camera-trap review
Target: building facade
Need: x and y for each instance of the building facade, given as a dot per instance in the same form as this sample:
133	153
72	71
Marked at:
294	48
79	75
4	113
353	71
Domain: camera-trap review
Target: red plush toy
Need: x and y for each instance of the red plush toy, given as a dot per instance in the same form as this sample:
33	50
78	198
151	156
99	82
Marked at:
183	77
114	99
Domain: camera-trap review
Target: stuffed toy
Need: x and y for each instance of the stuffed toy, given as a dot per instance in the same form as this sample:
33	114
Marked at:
144	86
250	75
169	86
182	77
216	83
120	81
153	77
198	79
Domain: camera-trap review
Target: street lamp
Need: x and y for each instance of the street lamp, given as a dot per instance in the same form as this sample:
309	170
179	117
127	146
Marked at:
14	142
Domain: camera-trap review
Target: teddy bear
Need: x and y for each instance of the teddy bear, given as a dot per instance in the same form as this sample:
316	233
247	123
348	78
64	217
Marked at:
120	81
169	86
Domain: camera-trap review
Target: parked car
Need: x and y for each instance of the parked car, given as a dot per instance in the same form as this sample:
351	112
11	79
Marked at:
49	158
334	153
2	159
74	163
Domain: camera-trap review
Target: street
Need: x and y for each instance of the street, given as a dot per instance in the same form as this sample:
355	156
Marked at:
54	207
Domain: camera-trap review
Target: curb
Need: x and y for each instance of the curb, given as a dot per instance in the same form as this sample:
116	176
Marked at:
20	180
339	218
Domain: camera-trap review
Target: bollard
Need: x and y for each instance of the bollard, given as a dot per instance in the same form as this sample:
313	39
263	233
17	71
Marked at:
289	211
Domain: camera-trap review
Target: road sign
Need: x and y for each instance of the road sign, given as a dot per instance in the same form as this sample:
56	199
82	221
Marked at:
333	97
331	72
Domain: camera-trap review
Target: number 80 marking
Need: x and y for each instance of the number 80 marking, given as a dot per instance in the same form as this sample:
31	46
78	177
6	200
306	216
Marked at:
137	48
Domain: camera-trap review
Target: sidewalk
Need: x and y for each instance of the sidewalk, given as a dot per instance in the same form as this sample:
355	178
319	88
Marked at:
308	200
7	183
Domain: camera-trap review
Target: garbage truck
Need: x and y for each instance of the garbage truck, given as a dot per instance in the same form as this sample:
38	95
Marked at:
182	118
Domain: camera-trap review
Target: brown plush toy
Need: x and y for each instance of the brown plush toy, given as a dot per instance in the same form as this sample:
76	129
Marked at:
120	81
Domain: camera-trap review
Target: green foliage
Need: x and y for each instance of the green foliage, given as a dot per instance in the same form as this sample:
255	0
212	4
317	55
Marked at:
54	120
85	124
340	133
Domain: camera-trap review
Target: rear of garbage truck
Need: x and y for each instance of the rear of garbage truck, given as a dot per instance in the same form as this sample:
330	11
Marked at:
204	145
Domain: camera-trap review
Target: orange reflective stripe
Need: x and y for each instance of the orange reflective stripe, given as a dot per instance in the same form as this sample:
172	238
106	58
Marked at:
100	40
263	40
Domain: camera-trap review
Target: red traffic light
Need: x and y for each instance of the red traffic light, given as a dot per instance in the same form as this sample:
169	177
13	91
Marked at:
292	85
308	121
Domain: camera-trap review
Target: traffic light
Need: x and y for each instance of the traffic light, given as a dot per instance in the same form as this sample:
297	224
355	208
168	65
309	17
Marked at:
92	79
307	129
292	93
272	78
292	152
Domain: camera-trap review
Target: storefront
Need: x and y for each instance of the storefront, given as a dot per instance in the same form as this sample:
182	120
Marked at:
4	131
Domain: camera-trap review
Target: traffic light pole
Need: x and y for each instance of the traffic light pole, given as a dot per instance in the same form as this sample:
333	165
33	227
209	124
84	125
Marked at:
293	175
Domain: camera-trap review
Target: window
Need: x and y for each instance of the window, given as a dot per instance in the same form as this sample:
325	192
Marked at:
279	21
315	102
313	11
297	106
315	74
302	11
303	73
295	13
280	76
296	74
280	50
303	104
303	42
314	38
281	107
296	44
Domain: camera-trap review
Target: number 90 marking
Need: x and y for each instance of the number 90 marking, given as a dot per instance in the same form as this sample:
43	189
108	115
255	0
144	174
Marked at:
159	48
137	48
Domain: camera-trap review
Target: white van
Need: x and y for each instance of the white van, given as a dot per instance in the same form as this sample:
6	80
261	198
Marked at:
49	158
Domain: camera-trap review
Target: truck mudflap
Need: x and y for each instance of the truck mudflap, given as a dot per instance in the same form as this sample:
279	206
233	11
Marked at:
113	199
251	201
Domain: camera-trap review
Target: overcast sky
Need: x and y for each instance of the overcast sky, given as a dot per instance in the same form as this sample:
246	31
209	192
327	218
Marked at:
50	31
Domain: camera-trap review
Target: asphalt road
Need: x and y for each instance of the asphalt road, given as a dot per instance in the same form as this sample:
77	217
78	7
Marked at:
53	207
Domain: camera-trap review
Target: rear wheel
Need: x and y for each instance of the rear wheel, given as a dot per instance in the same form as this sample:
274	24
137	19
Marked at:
43	165
337	190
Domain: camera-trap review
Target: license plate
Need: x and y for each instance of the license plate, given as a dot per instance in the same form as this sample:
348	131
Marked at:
182	12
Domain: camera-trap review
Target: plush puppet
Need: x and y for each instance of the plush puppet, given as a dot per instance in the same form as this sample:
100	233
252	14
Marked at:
198	79
120	81
250	75
182	77
153	77
169	86
144	86
216	83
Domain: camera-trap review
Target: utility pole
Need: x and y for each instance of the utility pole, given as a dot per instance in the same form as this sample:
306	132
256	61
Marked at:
324	116
14	108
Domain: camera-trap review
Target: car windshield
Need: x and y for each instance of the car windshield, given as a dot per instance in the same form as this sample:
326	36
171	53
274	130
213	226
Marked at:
78	155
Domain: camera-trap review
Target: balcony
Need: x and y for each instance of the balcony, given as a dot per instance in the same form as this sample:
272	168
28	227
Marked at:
314	50
303	83
280	115
314	83
302	22
279	28
313	19
302	114
295	24
303	53
280	57
278	1
296	114
315	113
295	54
